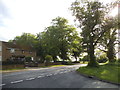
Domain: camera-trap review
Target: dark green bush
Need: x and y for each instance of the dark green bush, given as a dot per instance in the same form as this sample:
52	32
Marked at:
27	59
48	58
102	60
76	62
67	63
85	58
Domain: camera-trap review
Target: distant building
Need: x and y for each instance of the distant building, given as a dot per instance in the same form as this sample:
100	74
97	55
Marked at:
9	50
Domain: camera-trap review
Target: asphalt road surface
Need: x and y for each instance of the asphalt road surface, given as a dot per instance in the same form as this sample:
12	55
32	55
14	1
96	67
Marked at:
52	77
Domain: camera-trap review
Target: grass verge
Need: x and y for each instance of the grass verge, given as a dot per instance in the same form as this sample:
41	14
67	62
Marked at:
51	66
105	72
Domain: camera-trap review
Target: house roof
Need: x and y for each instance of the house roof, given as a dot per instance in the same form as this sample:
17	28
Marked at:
14	45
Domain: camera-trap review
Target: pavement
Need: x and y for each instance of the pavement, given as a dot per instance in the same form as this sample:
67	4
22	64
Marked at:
51	77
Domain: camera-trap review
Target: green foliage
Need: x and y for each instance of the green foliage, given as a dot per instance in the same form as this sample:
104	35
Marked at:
118	60
85	58
27	59
90	15
110	40
102	60
56	39
48	58
26	39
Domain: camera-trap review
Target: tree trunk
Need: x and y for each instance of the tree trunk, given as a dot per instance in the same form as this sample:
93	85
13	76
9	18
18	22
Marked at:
110	52
76	59
92	62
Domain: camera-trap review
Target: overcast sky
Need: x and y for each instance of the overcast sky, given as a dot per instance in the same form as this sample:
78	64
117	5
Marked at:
31	16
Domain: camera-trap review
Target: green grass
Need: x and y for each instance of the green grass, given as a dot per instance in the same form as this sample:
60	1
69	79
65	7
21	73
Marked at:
105	72
51	66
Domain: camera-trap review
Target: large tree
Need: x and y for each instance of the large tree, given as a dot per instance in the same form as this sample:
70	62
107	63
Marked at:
110	39
26	39
58	37
90	15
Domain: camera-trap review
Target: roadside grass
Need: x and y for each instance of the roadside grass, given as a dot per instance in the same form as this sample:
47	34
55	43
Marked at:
105	72
83	62
52	66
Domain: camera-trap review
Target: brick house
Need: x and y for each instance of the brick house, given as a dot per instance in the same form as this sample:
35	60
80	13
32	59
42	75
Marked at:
9	50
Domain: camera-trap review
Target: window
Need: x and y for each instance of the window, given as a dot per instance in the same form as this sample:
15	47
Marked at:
0	48
23	51
30	52
12	50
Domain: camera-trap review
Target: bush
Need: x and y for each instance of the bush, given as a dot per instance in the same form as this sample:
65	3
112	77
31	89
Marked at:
67	63
27	59
118	60
102	60
48	58
76	62
85	58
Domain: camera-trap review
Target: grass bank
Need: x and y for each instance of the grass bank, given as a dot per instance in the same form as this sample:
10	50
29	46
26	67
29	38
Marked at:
105	72
51	66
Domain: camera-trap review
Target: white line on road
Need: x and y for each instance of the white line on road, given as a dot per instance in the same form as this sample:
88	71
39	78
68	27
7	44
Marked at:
30	78
49	75
40	76
61	72
17	81
2	85
55	73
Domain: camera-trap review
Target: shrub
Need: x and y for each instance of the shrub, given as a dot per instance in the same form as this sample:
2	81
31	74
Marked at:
85	58
27	59
118	60
102	60
76	62
67	63
48	58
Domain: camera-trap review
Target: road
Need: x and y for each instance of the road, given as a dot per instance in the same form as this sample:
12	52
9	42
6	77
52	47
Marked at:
52	77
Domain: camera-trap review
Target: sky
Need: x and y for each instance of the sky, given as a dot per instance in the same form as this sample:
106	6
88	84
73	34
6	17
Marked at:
31	16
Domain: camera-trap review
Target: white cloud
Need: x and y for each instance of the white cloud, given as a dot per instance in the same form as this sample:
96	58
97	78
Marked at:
32	15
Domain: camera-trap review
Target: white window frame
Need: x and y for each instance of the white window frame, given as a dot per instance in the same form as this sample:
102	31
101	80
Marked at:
12	50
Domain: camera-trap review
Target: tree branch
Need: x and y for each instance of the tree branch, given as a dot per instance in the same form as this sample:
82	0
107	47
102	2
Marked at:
101	34
102	50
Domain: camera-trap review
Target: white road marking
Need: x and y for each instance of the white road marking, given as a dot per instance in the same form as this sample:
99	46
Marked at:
17	81
2	85
30	78
49	75
40	76
55	73
61	72
65	71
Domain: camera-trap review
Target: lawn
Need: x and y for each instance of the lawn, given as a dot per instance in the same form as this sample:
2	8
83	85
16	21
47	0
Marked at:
105	72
